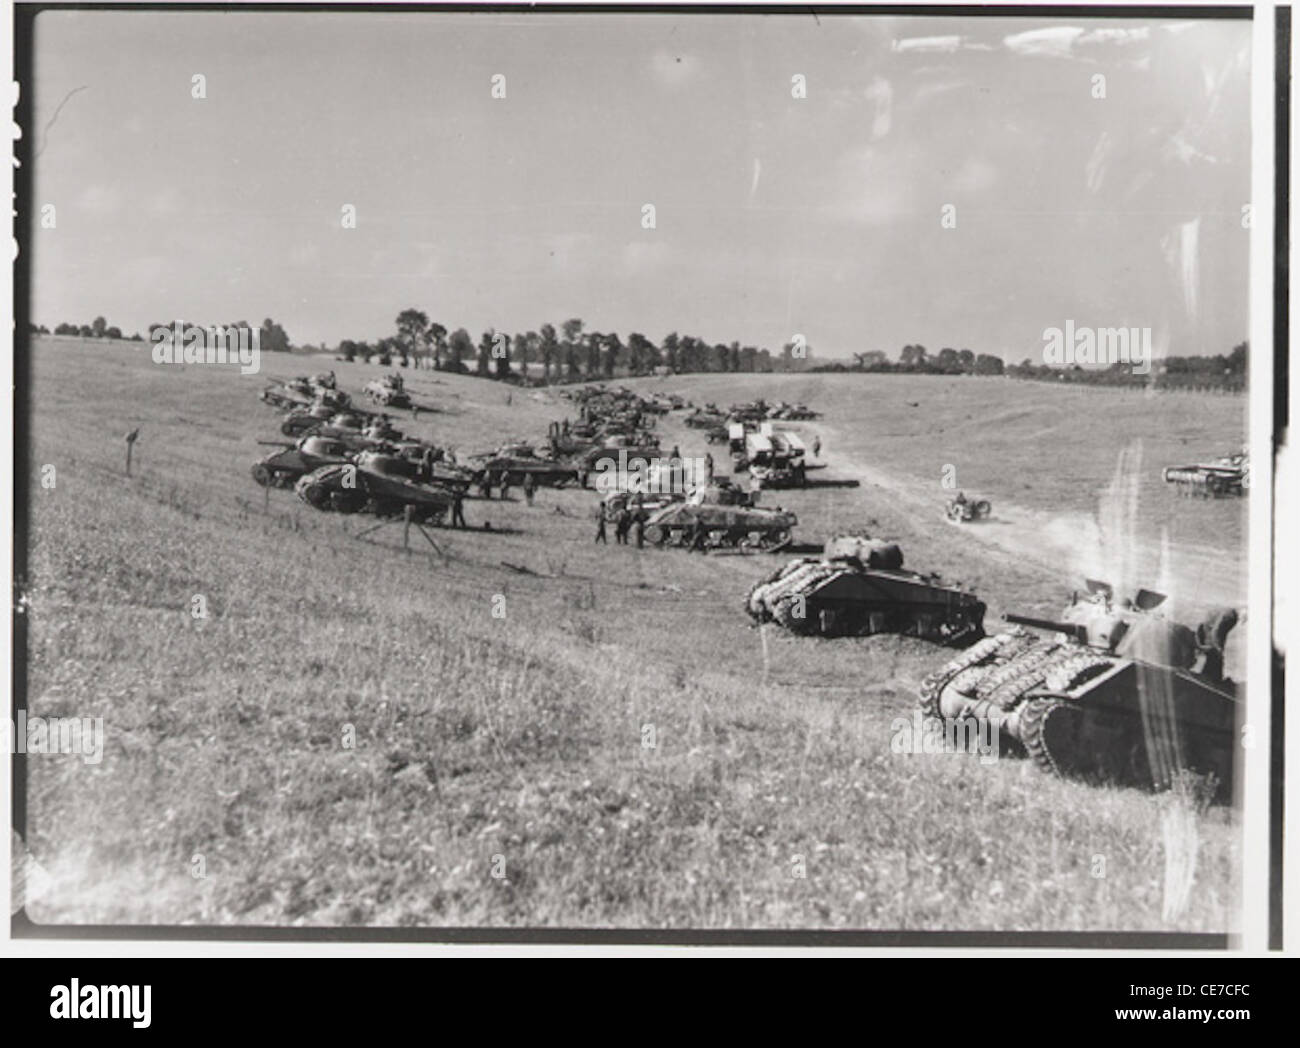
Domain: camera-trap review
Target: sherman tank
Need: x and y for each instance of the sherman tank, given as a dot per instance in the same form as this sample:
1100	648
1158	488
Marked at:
283	467
858	587
390	391
1109	692
513	463
295	393
379	484
1229	475
721	515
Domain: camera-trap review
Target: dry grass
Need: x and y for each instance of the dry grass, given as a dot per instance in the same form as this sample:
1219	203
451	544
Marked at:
522	738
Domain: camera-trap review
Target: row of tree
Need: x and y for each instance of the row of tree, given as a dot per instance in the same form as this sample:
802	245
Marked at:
1222	371
916	359
97	328
273	337
570	353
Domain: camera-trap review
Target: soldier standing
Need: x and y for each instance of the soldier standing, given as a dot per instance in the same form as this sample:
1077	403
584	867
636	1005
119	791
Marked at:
640	529
505	485
817	446
530	487
621	524
458	511
600	525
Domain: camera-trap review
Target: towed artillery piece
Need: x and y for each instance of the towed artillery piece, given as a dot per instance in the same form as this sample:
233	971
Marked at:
857	588
1229	475
281	468
1111	693
388	391
377	483
963	510
720	515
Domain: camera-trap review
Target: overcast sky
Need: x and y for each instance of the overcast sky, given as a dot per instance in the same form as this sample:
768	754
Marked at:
775	215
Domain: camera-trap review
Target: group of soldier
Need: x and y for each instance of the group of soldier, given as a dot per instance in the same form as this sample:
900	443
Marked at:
625	519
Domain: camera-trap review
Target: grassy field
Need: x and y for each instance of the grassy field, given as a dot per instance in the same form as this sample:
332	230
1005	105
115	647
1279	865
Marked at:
352	738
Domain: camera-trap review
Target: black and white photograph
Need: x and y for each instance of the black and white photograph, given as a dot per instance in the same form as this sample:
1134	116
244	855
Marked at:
644	474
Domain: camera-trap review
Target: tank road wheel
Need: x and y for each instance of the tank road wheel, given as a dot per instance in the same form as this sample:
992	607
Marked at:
1049	730
774	541
262	475
656	535
983	508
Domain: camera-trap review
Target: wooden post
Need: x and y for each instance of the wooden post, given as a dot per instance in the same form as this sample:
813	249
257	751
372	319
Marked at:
266	500
128	457
406	528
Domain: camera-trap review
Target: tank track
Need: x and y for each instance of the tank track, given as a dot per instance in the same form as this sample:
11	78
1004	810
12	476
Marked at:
986	650
1034	719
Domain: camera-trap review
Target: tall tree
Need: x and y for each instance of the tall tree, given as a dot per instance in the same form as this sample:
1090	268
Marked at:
669	347
412	326
459	348
436	335
550	348
521	353
485	344
613	351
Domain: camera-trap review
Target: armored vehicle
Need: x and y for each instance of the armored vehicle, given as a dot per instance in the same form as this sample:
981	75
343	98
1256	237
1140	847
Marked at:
1229	475
283	467
377	483
858	587
718	515
1110	691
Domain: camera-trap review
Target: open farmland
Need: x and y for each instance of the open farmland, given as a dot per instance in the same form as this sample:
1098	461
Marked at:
351	737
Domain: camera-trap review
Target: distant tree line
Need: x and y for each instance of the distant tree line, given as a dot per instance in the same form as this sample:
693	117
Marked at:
273	337
97	328
916	360
1223	371
569	354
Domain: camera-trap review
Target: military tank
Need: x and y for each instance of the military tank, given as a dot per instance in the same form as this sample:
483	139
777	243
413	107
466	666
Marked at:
858	587
280	468
512	463
378	483
1229	475
295	393
724	516
1109	692
389	391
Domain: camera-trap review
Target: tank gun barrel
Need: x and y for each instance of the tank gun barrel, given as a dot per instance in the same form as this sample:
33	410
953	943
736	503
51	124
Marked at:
1073	629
